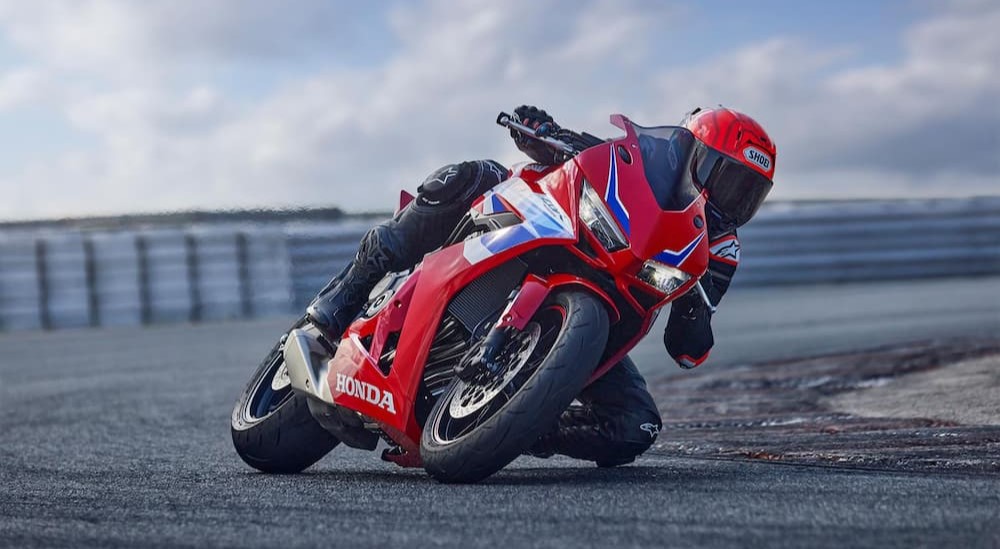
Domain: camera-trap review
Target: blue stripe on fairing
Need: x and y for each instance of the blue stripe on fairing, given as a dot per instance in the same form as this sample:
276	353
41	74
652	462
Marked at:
675	259
497	204
506	238
612	197
542	219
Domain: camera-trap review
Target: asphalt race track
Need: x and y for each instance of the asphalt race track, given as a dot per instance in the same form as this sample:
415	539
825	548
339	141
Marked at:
121	438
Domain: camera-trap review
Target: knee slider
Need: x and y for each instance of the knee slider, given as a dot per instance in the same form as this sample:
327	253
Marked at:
640	435
631	450
639	429
458	183
446	184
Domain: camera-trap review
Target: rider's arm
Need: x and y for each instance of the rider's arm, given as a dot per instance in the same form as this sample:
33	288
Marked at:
688	335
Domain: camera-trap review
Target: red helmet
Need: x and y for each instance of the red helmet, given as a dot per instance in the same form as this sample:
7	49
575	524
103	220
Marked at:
734	161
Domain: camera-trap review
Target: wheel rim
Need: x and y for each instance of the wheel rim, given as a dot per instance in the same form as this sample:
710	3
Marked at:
472	396
470	404
270	390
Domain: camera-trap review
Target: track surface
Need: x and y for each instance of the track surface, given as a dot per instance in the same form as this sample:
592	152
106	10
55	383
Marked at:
758	324
120	438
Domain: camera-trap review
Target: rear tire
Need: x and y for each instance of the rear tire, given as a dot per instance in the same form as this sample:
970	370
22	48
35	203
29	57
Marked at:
273	430
461	444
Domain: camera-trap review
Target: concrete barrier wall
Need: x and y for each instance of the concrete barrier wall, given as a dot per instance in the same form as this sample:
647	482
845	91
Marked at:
61	278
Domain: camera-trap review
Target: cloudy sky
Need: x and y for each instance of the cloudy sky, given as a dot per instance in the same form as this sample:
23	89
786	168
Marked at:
124	106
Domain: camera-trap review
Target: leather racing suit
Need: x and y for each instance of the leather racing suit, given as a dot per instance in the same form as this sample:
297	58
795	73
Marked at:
616	418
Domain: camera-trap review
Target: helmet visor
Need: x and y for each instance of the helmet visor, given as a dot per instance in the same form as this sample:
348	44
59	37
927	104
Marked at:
734	188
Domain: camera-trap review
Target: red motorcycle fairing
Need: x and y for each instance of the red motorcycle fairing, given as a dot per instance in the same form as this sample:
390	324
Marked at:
389	398
546	201
679	238
650	230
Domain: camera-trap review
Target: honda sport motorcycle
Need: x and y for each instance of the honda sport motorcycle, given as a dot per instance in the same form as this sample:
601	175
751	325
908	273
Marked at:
464	361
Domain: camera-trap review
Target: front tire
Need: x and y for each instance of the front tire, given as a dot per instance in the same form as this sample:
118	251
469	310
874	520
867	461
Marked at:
476	428
273	430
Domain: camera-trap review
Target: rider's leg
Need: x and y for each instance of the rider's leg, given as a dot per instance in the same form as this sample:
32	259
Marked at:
401	242
616	421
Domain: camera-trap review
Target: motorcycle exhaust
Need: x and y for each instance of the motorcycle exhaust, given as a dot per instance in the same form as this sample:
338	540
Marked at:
307	363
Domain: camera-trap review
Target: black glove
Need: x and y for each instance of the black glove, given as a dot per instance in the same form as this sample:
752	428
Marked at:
690	305
688	333
531	117
534	117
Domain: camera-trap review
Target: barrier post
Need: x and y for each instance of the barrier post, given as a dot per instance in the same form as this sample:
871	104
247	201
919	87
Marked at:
142	256
93	299
42	277
243	270
193	276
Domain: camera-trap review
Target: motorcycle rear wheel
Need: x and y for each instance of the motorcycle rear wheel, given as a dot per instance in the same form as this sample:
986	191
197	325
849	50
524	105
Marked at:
476	428
272	428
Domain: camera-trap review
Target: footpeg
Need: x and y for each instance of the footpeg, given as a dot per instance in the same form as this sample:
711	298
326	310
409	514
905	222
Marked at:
401	457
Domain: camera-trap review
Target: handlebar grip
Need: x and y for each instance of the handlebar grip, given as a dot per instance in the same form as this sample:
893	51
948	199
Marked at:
507	121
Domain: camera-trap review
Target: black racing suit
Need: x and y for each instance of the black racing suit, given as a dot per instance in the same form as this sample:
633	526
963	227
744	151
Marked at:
617	418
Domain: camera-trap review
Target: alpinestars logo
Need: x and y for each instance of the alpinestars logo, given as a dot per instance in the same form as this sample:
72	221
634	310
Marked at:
727	249
366	392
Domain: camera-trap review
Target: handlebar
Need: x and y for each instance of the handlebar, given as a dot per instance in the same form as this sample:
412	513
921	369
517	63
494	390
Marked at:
539	134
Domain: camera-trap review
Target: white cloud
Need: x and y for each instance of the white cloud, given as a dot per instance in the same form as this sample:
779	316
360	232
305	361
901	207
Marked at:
125	40
887	130
138	77
21	86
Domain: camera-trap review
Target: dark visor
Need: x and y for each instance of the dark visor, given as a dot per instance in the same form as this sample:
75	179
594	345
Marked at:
733	187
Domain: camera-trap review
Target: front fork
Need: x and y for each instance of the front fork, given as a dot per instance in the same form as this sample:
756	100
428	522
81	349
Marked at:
522	305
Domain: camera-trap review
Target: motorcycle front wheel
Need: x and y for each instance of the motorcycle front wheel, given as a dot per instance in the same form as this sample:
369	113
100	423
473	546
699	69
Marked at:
479	426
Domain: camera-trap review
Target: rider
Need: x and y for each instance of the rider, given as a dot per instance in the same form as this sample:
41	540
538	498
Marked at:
616	419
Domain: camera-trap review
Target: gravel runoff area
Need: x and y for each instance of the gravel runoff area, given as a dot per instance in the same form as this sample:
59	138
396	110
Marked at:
930	406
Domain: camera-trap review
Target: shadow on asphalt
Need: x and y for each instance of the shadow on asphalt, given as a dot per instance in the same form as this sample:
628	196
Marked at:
520	476
576	475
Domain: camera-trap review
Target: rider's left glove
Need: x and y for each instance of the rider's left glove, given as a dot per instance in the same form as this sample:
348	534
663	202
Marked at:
533	117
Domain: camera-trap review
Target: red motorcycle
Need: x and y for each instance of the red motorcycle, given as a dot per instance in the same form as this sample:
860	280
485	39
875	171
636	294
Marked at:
461	363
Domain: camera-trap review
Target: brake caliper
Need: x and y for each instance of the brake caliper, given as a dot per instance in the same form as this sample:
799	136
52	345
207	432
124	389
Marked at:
484	357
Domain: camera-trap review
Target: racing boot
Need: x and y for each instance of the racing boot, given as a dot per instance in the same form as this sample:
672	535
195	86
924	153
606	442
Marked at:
341	300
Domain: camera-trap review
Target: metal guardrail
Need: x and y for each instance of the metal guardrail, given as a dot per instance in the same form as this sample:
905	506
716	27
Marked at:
76	279
829	243
68	278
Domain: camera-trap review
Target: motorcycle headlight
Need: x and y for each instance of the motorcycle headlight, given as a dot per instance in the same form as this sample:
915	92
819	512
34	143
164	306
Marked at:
662	277
598	219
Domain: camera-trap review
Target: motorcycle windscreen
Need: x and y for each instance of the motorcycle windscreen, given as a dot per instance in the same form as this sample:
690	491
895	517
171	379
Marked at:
667	159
